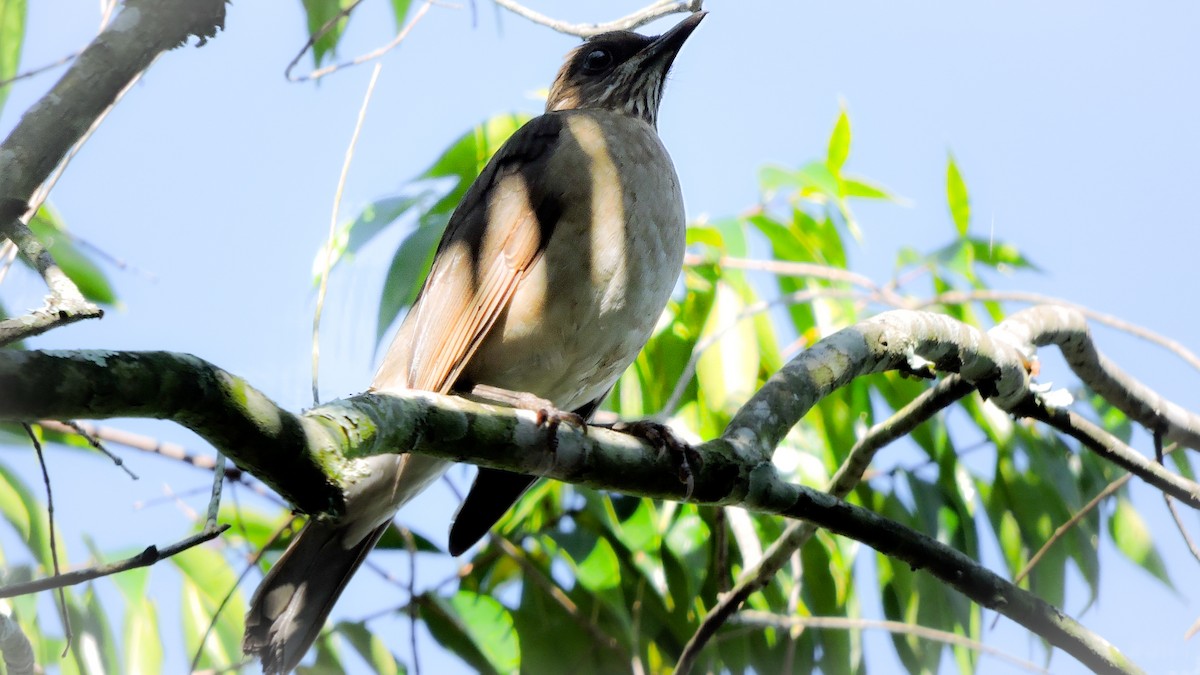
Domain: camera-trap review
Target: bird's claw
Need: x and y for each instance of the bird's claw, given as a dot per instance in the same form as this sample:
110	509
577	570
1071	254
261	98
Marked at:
664	440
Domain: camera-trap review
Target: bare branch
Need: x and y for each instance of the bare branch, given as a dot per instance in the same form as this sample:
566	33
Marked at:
146	558
983	295
333	220
1108	491
1067	329
631	21
143	443
62	598
65	303
1111	448
360	59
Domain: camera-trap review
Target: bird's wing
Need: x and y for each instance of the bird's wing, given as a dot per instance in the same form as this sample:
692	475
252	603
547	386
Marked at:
496	234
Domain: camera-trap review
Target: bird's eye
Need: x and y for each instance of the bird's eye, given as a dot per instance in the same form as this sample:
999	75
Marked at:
597	61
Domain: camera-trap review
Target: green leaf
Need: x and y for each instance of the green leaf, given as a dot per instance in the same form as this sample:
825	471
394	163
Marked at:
817	177
372	220
476	628
839	143
1132	538
727	371
400	11
142	642
370	647
600	570
319	13
957	198
90	279
207	578
406	274
12	36
1001	255
26	514
775	179
469	153
864	189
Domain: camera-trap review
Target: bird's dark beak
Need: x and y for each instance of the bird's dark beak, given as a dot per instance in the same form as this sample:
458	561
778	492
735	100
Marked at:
661	53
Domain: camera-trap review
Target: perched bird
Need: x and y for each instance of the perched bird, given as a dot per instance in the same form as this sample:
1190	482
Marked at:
548	281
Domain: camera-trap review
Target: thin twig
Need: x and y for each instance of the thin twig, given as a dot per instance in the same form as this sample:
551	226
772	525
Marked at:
62	597
535	575
628	22
370	55
1061	530
320	33
253	564
1111	448
214	502
62	61
786	268
848	475
411	544
150	445
1187	538
151	555
95	443
8	255
333	218
759	618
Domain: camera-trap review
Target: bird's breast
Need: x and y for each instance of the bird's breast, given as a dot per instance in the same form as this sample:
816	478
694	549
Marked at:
583	312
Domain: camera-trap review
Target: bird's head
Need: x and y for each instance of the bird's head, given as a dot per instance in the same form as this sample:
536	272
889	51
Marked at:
621	71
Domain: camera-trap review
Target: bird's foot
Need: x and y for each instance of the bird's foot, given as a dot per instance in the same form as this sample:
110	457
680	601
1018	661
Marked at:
548	415
666	441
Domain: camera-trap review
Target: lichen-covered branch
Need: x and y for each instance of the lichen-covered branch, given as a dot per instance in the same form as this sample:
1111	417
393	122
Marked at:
283	449
309	457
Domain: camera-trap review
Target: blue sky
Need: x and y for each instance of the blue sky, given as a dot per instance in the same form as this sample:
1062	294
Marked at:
1074	123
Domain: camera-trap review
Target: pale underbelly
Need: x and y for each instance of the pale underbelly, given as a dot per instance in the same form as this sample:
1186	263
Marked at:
567	337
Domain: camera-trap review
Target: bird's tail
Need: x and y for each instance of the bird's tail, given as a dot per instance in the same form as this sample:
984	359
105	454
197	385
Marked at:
294	599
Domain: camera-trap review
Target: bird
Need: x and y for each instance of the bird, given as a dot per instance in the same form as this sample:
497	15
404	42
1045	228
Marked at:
548	280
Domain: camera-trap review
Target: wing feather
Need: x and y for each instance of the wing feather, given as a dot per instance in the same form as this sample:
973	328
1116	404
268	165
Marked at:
497	233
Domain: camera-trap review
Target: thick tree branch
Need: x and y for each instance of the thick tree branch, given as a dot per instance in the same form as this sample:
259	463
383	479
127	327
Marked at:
47	131
286	450
290	452
305	457
1067	329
